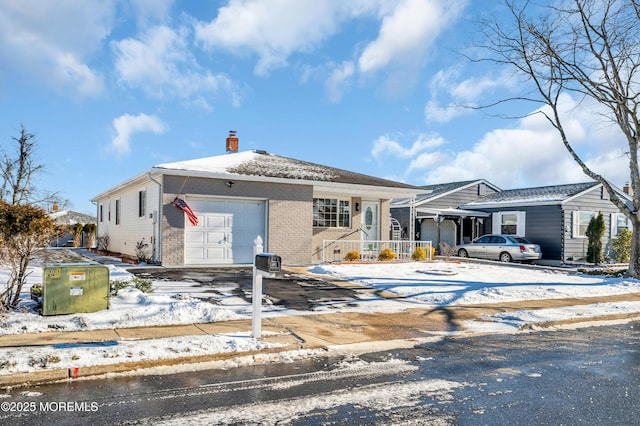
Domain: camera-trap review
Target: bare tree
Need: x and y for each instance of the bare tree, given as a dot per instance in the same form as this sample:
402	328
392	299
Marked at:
18	172
589	49
25	229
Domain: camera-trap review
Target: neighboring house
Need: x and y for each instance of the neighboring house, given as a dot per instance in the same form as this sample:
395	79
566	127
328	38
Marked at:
555	217
69	217
293	205
438	216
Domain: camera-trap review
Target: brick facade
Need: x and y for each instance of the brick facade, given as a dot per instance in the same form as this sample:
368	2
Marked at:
289	211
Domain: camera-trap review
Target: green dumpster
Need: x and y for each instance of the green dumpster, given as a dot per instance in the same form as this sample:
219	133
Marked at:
71	288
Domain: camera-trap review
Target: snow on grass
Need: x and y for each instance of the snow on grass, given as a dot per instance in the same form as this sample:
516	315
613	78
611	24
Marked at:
445	283
387	287
78	355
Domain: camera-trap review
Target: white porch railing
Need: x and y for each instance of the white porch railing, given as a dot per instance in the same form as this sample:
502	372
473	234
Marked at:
336	250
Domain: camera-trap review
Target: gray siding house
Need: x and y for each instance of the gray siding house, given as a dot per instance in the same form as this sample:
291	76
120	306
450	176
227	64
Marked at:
292	205
438	215
555	217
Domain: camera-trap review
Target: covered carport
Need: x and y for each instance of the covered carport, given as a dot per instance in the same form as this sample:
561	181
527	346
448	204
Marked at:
450	225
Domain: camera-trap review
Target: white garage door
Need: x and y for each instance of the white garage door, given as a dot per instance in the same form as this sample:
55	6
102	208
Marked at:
225	232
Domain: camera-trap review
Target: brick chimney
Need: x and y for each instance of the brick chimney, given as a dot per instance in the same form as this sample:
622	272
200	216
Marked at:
232	142
627	189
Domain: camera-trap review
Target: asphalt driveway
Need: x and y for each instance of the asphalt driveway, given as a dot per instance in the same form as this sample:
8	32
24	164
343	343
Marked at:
289	290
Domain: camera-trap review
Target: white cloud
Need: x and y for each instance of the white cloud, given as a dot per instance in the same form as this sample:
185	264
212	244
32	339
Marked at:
37	38
510	159
533	155
408	32
148	11
338	81
461	94
277	29
126	125
443	114
472	89
273	30
385	146
426	160
160	64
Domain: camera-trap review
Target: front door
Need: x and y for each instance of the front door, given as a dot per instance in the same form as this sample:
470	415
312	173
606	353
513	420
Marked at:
370	224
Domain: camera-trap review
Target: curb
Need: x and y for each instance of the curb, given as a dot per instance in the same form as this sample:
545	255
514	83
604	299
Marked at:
76	373
367	346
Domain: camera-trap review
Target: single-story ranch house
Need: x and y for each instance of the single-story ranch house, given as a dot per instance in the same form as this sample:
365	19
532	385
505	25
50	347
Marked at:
292	205
555	217
437	213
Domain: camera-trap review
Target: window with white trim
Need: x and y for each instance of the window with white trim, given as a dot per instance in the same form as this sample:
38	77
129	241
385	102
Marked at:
581	221
619	222
509	223
117	212
142	203
331	213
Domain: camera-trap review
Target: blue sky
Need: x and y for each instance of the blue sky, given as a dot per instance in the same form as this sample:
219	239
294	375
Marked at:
114	87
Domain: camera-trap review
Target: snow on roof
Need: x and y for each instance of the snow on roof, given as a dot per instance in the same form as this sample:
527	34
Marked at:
219	164
267	165
69	217
543	194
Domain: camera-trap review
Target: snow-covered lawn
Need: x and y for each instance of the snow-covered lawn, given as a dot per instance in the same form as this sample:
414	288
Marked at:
390	287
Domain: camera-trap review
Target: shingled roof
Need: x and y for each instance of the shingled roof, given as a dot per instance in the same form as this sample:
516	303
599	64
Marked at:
69	217
554	194
430	192
264	166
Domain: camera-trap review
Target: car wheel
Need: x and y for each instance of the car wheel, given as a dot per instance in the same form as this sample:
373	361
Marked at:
505	257
463	253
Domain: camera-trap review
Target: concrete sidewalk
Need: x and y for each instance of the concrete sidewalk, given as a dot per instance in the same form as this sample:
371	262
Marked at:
373	331
347	331
309	332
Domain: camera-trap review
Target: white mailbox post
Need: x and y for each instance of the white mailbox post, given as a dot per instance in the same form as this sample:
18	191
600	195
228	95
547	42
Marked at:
264	265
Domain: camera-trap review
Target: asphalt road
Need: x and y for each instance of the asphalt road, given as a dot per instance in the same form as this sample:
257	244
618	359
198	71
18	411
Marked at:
586	376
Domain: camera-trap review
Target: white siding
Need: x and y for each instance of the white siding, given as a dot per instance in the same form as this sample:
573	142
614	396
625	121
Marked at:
132	229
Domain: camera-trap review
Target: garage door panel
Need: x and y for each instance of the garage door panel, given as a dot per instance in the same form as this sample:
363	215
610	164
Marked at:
217	237
255	208
195	253
220	253
192	237
217	221
198	205
228	230
235	207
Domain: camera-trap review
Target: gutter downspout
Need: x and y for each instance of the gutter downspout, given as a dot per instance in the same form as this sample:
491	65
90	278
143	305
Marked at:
95	203
157	218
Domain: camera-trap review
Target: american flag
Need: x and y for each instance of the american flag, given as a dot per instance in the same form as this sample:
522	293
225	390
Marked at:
180	203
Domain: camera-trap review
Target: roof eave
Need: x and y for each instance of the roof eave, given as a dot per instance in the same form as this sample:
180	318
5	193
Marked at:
578	194
429	199
358	190
511	204
319	186
124	185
